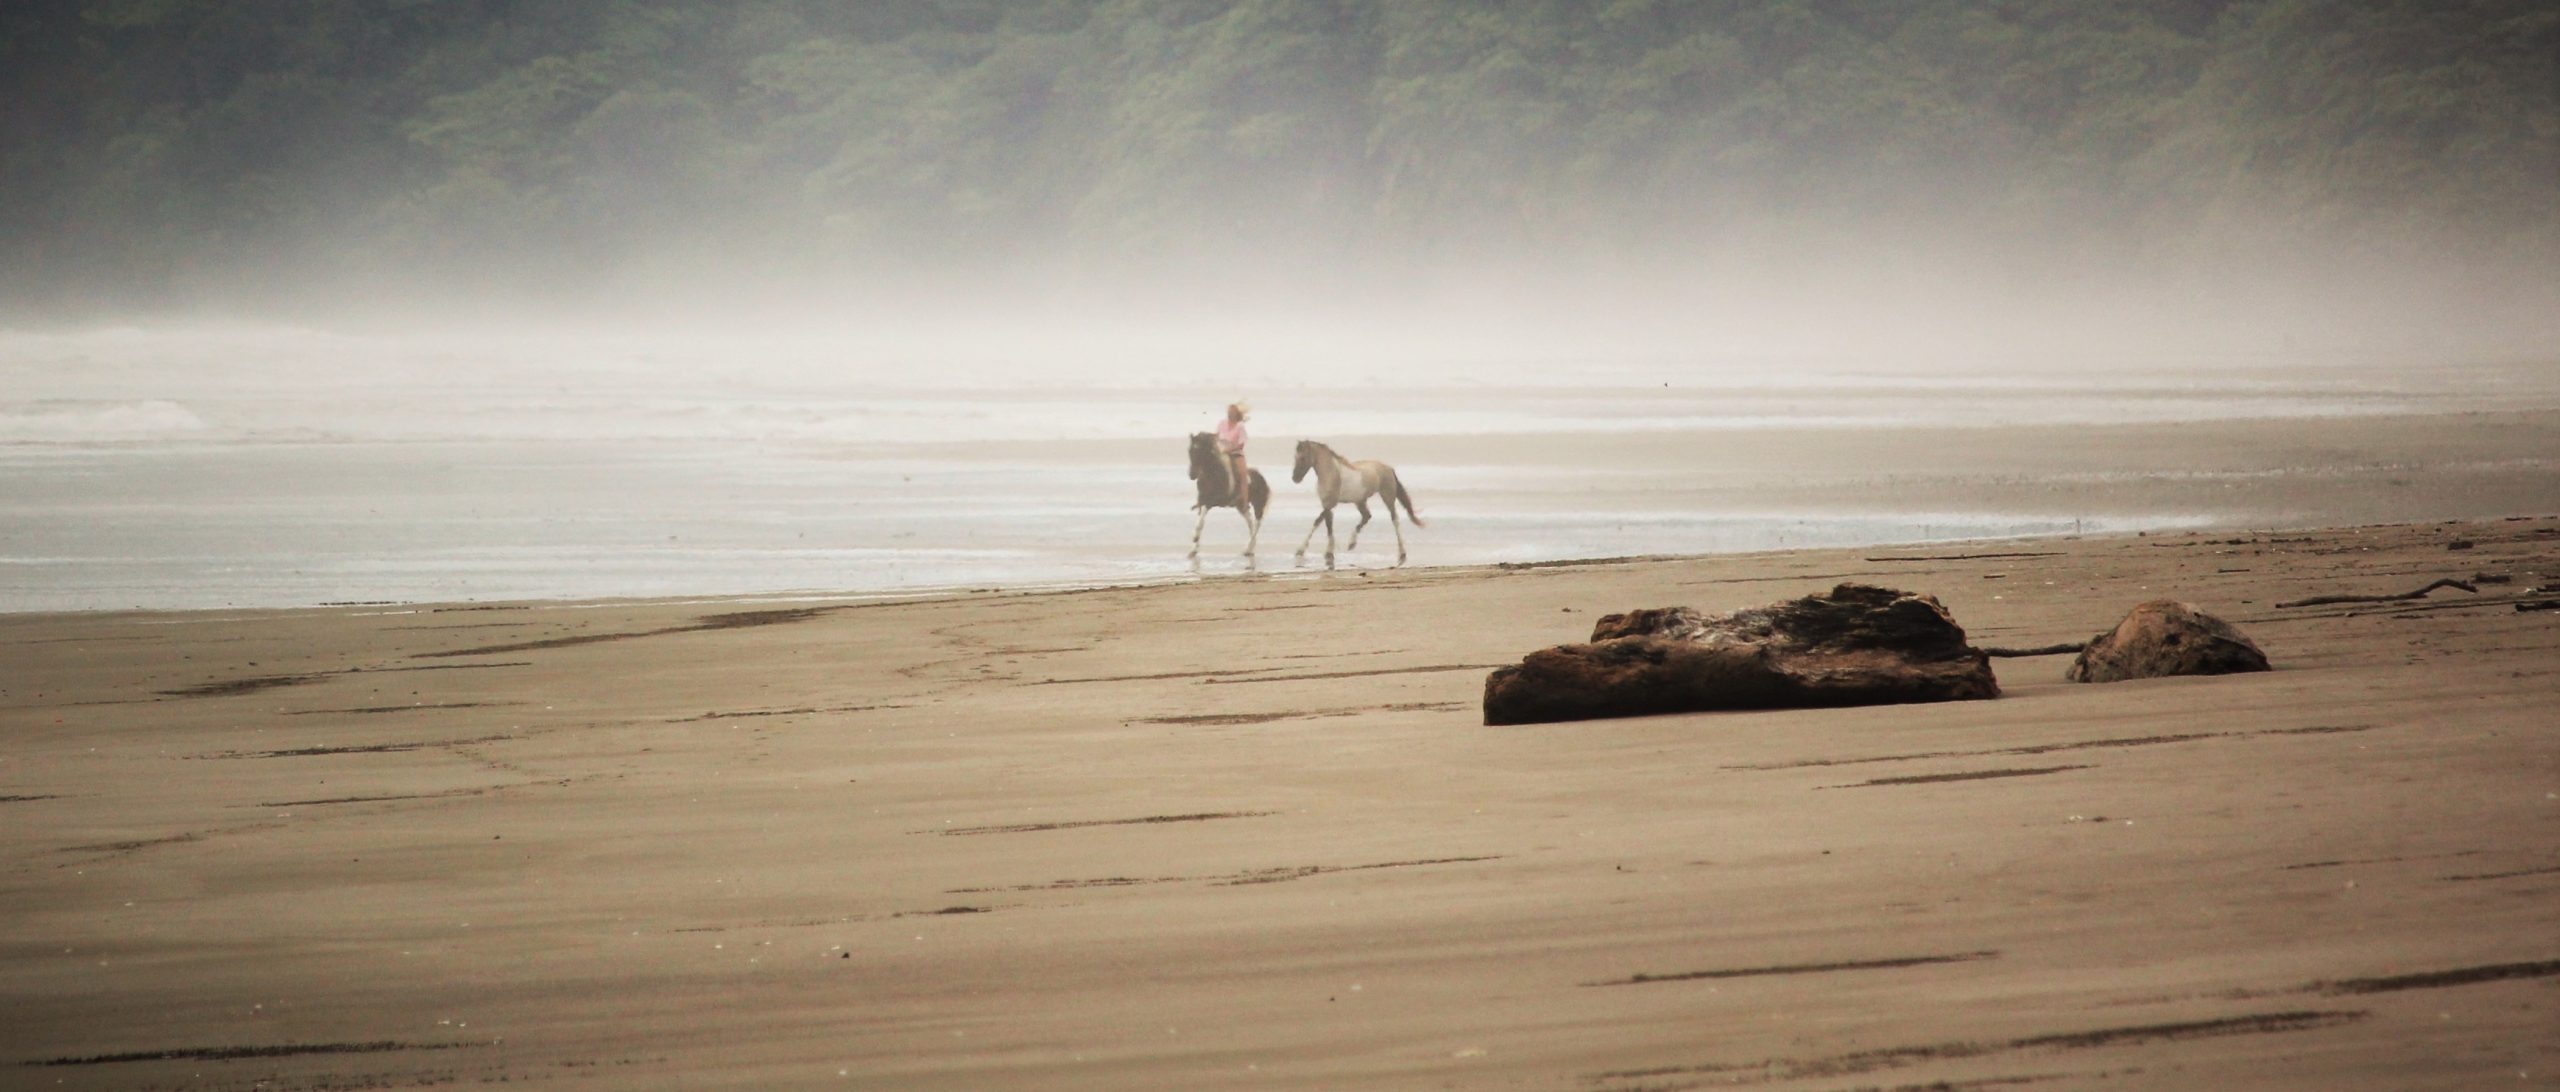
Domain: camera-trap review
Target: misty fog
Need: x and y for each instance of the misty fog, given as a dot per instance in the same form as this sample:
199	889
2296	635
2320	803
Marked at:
1698	179
786	254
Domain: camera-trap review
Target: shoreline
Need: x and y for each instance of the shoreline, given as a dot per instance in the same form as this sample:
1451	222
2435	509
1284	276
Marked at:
1253	832
502	523
1294	572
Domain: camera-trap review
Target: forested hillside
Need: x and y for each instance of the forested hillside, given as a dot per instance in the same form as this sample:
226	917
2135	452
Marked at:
164	149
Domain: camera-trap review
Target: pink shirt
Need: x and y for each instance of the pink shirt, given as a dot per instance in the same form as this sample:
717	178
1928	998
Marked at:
1231	436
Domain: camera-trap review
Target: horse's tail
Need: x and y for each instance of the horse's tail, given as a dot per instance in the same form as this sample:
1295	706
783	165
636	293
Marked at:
1407	498
1261	494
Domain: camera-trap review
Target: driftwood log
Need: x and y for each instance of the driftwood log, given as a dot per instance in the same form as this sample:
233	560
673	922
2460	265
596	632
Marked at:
2039	650
1856	645
2421	593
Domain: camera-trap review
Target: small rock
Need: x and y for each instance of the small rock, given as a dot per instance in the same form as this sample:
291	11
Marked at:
2166	637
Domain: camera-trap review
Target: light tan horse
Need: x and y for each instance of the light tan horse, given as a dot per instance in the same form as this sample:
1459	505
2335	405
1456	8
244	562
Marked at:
1342	481
1215	479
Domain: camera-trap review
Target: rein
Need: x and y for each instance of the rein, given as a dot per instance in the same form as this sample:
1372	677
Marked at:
1207	459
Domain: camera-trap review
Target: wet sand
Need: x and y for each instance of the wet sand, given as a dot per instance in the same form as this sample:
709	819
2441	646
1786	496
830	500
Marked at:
1251	833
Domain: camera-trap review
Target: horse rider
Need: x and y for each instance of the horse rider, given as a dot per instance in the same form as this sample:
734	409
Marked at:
1231	443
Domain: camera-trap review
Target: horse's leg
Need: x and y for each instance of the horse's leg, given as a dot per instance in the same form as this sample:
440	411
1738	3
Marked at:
1196	525
1363	505
1396	522
1252	527
1311	533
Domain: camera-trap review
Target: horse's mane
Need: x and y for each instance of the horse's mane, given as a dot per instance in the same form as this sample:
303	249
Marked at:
1204	459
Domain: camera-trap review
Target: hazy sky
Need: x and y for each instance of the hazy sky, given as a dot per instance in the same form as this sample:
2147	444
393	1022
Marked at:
1145	183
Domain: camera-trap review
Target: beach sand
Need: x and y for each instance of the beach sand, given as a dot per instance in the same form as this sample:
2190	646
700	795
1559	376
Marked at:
1251	833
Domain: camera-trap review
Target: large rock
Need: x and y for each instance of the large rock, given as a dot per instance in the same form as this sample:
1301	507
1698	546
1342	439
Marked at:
2166	637
1858	645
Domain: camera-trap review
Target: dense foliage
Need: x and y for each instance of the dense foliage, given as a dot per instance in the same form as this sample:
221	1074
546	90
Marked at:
171	147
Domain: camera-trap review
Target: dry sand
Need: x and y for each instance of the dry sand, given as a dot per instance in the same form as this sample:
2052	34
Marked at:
1249	833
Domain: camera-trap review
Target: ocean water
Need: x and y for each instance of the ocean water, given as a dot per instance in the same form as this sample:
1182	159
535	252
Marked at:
267	469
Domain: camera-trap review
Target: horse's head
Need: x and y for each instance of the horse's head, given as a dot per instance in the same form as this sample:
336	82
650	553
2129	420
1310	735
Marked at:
1204	452
1306	461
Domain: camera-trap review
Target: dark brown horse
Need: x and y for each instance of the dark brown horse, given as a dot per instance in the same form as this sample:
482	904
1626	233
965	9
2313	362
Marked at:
1212	473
